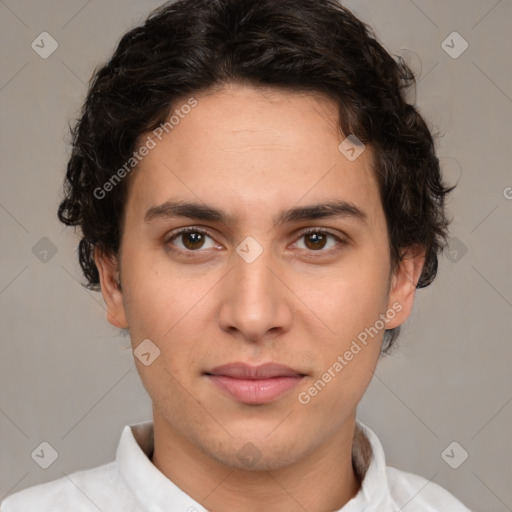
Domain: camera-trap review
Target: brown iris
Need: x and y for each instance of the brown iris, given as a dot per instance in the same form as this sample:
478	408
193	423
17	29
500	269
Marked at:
315	240
193	240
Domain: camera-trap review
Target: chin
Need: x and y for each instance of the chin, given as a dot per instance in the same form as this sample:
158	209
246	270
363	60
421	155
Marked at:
257	452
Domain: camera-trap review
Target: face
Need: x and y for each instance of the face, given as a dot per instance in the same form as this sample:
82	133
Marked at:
265	274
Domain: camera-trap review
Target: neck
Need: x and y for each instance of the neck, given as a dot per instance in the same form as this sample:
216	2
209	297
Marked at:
324	480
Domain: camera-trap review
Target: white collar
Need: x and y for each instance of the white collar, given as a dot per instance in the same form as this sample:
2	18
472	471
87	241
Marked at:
156	492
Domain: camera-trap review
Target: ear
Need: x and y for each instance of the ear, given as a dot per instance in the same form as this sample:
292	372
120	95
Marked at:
108	269
403	285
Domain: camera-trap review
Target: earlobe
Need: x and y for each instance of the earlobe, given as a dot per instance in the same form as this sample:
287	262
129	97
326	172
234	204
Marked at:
108	270
403	285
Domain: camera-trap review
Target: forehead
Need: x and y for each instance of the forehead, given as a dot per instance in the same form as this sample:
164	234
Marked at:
253	150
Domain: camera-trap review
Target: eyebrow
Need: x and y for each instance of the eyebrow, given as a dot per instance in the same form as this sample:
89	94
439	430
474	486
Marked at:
198	211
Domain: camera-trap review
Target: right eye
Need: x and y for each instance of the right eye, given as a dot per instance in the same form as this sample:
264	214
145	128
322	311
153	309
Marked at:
191	240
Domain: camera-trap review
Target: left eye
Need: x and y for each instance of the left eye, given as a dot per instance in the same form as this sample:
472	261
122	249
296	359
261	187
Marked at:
318	240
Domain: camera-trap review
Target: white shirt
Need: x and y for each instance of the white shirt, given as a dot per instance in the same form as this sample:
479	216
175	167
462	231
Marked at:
132	483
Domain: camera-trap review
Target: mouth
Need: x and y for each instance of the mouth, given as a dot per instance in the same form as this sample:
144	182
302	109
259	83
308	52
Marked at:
254	385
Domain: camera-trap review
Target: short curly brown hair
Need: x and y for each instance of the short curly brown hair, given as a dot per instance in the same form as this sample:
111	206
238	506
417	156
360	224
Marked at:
189	46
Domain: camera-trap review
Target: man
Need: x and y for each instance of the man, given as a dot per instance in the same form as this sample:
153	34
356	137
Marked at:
258	204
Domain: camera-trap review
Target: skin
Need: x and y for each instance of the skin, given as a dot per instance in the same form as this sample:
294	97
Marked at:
252	153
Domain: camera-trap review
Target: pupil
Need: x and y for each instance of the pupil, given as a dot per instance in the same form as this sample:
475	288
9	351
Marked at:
317	240
194	240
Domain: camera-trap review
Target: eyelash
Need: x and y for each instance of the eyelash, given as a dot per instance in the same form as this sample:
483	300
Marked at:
190	253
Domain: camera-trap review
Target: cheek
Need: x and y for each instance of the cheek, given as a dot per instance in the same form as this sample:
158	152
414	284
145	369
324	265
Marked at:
350	299
167	309
347	360
349	302
158	297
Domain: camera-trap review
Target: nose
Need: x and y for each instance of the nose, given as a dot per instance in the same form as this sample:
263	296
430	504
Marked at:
255	304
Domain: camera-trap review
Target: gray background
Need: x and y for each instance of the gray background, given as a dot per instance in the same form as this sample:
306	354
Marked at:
68	377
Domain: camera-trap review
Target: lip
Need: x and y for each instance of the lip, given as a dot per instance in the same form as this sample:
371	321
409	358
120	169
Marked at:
254	384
